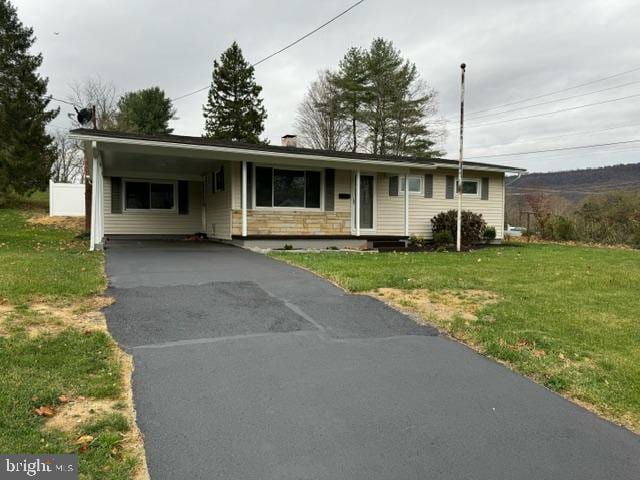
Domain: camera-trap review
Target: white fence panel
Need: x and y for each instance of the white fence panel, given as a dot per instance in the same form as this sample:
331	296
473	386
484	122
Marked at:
66	199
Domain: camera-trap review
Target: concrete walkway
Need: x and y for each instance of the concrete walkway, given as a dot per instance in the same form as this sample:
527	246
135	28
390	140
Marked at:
246	368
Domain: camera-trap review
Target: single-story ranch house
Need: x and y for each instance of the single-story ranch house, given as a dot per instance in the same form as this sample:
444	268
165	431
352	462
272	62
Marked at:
264	195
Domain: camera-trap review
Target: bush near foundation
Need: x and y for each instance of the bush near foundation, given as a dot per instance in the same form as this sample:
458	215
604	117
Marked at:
472	225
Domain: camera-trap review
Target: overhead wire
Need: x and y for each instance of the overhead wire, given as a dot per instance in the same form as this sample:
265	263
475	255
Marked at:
286	47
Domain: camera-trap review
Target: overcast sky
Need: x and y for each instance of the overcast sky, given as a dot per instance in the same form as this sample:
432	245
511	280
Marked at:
514	50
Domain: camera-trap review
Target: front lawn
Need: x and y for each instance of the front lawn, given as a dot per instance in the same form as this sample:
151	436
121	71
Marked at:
63	387
566	316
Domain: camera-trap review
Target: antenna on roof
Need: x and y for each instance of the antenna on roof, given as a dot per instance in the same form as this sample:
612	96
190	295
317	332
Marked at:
86	115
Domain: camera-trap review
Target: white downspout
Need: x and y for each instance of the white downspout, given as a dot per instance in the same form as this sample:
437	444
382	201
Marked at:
406	204
244	198
97	214
357	203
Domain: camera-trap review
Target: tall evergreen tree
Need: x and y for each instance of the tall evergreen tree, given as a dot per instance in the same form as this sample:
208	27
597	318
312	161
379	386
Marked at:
351	80
145	111
234	109
26	151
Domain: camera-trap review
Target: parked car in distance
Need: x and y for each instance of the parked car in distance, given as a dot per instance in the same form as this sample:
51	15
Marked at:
515	231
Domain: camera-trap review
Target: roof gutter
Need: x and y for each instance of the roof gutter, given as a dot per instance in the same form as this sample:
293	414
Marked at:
214	148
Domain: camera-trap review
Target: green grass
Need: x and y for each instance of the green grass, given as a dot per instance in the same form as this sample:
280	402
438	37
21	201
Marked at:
567	316
51	265
44	263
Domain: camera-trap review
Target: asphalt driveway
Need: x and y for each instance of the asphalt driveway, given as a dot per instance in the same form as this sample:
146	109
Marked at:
247	368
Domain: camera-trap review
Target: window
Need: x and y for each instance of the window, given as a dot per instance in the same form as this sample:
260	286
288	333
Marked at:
149	196
415	184
218	181
470	188
287	188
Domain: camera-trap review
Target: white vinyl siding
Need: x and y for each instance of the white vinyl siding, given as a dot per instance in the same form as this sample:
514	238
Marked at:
390	210
153	222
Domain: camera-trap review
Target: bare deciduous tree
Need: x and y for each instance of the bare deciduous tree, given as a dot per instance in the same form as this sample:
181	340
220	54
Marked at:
319	122
94	91
68	166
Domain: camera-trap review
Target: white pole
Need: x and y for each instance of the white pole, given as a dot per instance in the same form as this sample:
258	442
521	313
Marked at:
94	210
459	187
357	203
406	204
244	198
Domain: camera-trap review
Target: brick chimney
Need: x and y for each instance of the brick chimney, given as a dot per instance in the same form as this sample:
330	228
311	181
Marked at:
289	141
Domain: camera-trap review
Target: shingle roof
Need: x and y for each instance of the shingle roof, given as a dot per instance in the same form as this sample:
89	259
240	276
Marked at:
188	140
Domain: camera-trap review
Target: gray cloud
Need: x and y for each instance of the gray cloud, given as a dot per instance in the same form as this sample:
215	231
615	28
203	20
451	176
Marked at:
514	50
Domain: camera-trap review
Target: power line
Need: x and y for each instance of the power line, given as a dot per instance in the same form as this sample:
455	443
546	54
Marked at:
549	137
286	47
578	147
555	100
556	91
61	101
509	120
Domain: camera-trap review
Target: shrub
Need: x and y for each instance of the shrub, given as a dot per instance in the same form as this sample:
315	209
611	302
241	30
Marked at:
489	234
288	246
442	239
418	241
472	225
559	228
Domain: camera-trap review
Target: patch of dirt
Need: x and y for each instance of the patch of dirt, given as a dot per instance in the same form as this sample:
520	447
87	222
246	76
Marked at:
68	416
54	318
441	307
68	223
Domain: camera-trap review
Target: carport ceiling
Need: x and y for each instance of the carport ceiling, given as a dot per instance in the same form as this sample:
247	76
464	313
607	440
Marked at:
155	162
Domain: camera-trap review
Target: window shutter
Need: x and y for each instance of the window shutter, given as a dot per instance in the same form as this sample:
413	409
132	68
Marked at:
116	195
485	189
329	189
393	186
249	185
450	187
183	197
428	185
213	182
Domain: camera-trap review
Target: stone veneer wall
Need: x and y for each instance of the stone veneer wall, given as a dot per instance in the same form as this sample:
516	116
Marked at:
292	222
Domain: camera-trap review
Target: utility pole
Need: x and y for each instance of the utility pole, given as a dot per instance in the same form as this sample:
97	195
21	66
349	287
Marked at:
459	188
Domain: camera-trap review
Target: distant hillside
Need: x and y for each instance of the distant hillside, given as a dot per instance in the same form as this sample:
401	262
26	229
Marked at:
575	184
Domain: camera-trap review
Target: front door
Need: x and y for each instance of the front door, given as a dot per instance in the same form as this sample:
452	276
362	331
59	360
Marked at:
366	201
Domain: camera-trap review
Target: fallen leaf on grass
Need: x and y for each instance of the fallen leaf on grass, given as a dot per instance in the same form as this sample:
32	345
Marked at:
84	439
64	399
44	411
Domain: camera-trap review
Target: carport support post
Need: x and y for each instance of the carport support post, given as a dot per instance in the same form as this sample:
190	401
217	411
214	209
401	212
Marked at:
357	203
406	204
244	198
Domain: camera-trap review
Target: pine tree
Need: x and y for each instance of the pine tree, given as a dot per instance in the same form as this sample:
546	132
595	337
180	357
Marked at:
351	82
234	110
145	111
26	151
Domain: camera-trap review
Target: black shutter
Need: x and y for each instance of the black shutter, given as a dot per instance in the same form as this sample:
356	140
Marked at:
329	189
428	185
213	182
221	181
249	185
449	192
183	197
393	186
116	195
485	189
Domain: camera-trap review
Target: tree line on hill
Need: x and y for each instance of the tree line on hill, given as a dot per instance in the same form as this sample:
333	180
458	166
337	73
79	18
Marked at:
611	218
